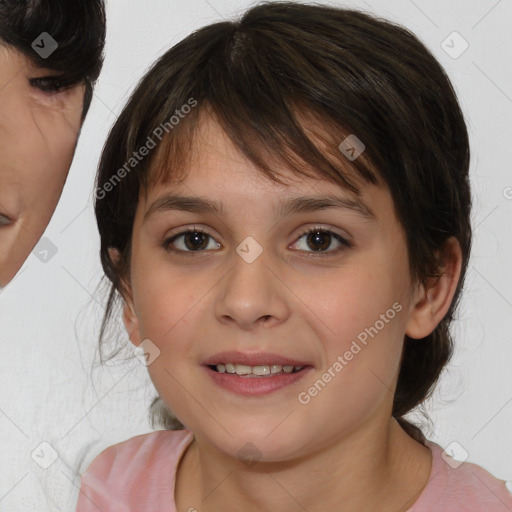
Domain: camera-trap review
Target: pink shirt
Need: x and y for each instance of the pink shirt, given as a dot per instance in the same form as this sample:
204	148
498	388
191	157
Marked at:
138	475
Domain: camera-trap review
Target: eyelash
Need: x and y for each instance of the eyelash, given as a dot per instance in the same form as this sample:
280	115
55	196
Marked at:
345	244
48	84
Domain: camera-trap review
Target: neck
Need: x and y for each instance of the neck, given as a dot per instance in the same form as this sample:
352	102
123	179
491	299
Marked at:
379	467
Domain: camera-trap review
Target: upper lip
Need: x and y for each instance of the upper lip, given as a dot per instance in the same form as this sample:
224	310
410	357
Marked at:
252	359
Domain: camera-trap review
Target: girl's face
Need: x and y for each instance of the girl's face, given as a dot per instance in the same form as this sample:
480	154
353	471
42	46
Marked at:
38	133
254	283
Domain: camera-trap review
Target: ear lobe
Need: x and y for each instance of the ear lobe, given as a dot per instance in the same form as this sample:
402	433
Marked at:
131	324
433	302
130	320
114	254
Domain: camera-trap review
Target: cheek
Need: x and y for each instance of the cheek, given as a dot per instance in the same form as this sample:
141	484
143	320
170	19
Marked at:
170	315
38	147
52	156
161	312
164	299
362	347
355	299
363	319
175	311
49	162
55	134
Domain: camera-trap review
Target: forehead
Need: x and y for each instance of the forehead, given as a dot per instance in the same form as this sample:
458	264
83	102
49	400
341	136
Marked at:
15	65
219	179
215	164
10	58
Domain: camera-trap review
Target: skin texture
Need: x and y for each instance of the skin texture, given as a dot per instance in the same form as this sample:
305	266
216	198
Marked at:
343	446
38	136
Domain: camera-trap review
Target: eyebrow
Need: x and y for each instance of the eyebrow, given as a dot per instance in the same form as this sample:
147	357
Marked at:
294	205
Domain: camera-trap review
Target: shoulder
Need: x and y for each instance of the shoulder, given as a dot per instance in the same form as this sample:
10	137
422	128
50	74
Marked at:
465	486
130	473
145	449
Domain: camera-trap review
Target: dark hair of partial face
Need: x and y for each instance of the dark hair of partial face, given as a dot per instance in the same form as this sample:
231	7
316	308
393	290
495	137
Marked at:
78	27
261	76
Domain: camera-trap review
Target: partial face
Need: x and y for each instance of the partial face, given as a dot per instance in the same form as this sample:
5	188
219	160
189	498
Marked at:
249	280
39	127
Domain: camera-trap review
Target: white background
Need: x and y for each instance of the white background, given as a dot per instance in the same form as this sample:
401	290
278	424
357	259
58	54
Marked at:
50	390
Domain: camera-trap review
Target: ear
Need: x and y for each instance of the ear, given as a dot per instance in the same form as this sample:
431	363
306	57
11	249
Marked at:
130	319
431	303
131	324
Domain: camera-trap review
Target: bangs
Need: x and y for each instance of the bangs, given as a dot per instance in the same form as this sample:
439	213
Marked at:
79	27
299	140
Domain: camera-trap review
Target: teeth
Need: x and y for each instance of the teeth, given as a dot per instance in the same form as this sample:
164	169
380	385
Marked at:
242	369
260	370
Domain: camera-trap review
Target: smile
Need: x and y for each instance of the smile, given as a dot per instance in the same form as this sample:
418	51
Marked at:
255	371
251	383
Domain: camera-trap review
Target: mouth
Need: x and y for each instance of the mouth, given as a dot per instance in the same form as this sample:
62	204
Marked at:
254	374
265	371
252	359
246	380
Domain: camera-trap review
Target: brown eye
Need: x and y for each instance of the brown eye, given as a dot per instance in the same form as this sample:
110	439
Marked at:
320	241
193	240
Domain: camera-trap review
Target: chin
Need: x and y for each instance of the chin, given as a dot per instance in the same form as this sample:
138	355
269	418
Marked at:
263	441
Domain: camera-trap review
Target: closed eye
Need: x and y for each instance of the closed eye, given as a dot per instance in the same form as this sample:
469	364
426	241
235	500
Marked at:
48	84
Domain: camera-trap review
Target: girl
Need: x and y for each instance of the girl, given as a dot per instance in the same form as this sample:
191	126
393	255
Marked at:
51	54
284	207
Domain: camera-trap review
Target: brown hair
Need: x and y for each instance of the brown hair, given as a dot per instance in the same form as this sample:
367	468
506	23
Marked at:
79	27
355	74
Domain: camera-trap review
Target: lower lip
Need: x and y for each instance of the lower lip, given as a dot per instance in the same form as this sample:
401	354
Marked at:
255	386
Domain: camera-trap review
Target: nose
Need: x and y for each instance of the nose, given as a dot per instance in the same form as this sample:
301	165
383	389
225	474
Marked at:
252	293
